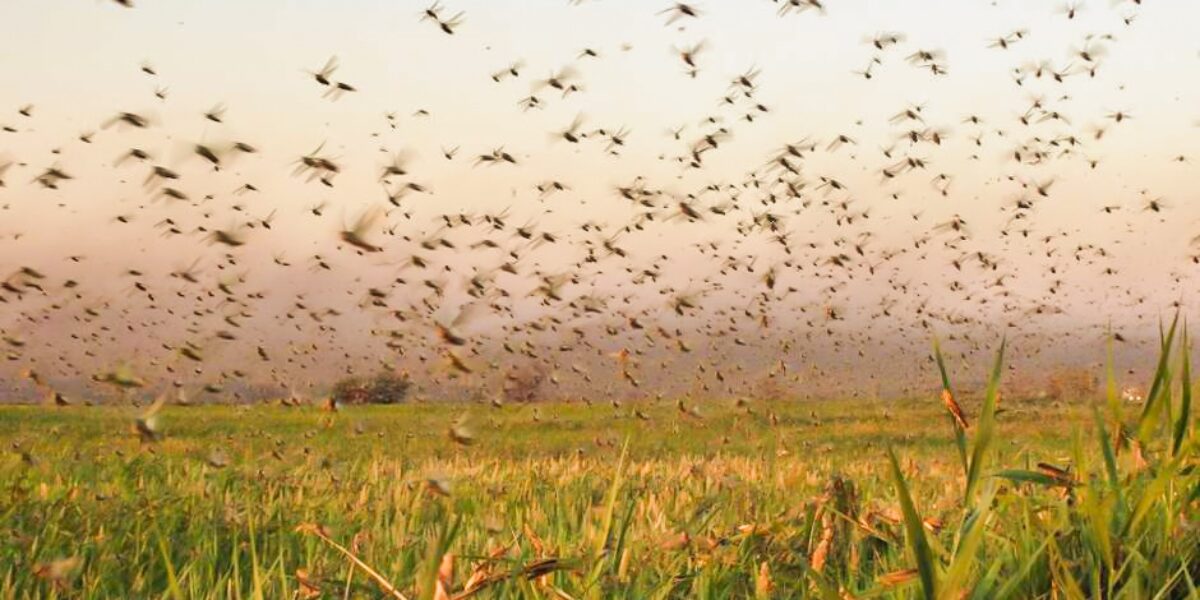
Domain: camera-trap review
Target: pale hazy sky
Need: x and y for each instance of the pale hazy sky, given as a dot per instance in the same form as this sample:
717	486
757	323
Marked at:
77	62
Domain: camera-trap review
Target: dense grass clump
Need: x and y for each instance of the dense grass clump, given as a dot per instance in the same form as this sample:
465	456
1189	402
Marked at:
1011	499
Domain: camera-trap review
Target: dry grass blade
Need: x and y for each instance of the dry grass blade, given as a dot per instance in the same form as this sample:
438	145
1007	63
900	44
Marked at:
530	571
895	578
384	584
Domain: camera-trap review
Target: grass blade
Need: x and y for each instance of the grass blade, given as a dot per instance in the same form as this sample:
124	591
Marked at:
1151	409
987	427
172	580
915	531
1185	406
960	435
1110	456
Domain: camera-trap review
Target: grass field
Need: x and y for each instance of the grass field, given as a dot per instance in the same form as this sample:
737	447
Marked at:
757	499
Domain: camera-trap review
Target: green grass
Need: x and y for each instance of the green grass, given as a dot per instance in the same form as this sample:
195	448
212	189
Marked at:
769	499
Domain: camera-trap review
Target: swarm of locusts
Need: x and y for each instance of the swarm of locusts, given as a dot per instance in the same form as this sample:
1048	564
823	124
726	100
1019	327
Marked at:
1011	498
648	290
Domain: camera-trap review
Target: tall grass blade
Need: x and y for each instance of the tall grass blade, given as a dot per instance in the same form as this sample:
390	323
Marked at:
1150	411
172	580
442	542
1185	405
1111	393
915	530
610	505
1109	454
960	435
970	540
986	430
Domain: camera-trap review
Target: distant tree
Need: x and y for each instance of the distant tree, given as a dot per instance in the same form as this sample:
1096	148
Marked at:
384	387
388	387
349	390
